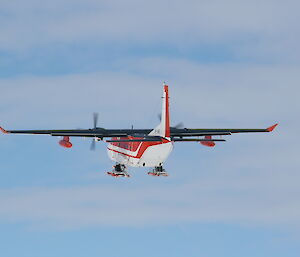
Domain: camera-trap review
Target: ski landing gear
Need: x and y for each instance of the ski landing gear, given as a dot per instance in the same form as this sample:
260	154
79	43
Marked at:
119	171
158	171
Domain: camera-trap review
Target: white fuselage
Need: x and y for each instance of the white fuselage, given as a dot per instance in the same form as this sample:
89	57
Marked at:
141	154
132	152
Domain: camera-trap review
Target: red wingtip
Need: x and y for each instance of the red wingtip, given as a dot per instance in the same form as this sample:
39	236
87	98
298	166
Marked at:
270	129
3	130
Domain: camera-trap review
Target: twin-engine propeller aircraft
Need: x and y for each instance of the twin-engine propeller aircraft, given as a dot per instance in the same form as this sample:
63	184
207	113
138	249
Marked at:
142	147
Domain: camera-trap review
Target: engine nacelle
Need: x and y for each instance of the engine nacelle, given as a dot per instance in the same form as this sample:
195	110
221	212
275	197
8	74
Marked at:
65	142
208	143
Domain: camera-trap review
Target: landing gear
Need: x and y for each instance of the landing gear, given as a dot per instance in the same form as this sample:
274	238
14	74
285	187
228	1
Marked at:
158	171
119	170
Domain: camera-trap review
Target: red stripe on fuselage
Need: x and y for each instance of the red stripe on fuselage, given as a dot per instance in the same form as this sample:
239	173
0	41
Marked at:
131	146
134	146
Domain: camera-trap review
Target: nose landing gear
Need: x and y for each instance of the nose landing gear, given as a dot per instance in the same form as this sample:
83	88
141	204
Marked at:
158	171
119	170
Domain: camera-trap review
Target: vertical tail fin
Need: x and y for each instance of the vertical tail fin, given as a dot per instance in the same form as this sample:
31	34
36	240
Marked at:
163	129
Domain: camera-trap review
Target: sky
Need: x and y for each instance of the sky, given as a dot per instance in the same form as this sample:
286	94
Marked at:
232	64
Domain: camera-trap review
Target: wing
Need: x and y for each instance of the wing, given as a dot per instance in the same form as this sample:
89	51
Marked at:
96	132
102	133
180	133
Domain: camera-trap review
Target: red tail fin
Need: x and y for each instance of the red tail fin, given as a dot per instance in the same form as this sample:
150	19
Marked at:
163	129
167	112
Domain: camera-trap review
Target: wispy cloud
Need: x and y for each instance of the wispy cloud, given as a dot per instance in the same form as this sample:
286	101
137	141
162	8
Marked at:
250	28
236	94
258	184
244	200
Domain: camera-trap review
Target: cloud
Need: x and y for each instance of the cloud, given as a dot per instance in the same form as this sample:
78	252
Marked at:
251	180
243	200
249	29
77	95
237	95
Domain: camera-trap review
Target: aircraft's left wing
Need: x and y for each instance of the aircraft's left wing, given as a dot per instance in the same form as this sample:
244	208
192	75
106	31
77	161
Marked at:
95	132
69	132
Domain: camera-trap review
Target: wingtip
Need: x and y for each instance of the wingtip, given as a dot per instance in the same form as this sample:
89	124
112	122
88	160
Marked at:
270	129
3	130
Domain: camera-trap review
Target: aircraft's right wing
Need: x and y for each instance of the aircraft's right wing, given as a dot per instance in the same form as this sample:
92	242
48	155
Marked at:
215	132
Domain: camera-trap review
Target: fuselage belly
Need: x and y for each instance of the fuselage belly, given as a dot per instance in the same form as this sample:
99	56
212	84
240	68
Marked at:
142	154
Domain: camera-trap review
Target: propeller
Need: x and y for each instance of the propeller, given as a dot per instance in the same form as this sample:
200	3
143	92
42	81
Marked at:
179	125
159	116
93	145
95	121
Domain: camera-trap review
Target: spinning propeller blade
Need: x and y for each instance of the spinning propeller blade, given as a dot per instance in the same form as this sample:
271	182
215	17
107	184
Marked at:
179	125
95	121
159	116
93	145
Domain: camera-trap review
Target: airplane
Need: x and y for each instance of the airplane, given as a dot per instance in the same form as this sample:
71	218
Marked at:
142	147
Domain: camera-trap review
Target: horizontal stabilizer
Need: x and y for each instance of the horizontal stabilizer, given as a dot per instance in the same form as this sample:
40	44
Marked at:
134	140
197	140
198	133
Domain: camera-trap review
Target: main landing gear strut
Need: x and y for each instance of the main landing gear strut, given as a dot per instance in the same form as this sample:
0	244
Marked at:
158	171
119	170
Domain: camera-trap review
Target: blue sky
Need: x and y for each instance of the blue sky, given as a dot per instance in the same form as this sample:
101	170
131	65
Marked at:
228	64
